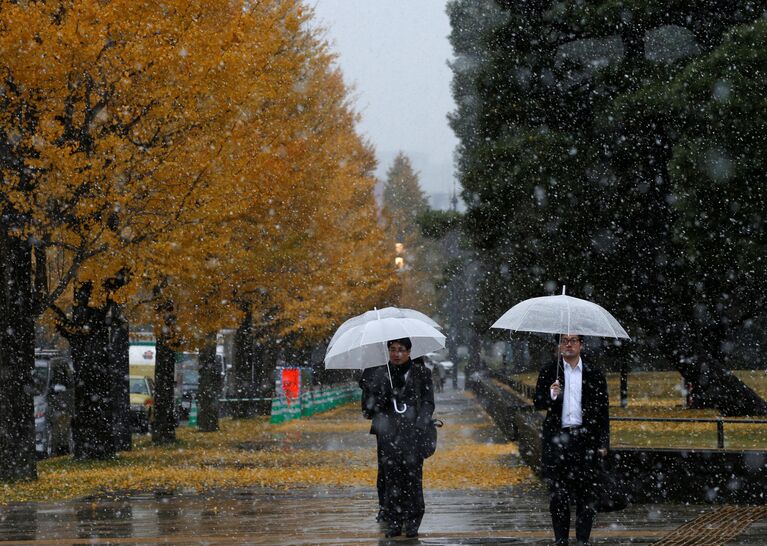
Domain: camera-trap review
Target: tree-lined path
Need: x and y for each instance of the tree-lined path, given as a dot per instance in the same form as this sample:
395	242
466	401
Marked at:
477	492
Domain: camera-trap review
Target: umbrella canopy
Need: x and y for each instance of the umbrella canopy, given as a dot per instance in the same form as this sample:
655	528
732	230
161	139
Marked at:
364	345
561	315
386	312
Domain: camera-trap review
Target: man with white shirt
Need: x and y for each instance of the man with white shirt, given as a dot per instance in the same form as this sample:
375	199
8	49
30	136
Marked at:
575	433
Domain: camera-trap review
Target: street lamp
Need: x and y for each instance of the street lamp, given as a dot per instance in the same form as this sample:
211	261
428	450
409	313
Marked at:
399	259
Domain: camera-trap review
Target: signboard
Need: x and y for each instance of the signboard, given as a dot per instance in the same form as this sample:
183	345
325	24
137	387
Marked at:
142	354
141	358
291	384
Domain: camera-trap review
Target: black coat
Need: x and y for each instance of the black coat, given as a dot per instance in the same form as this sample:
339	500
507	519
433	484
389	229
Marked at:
377	396
594	406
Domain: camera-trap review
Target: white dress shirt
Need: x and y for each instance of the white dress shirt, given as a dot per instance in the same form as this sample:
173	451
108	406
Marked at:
572	413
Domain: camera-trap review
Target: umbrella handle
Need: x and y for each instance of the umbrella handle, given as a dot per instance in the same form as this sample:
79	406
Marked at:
404	406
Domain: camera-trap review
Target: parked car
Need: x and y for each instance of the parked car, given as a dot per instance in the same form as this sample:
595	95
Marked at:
141	402
447	365
53	403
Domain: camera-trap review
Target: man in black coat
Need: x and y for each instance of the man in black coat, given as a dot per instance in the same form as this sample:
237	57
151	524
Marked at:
401	409
575	433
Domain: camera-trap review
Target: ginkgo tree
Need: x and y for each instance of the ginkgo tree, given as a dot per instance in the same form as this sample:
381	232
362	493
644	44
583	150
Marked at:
311	251
131	135
101	102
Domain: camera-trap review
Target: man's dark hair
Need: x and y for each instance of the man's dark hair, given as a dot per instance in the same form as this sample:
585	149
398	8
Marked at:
405	342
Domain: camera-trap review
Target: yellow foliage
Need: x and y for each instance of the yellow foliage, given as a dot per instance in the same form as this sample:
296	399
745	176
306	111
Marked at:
207	146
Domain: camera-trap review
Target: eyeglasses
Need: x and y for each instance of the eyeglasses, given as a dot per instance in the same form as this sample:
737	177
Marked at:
398	350
569	341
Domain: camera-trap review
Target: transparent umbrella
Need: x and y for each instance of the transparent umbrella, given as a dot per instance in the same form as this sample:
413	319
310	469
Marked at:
364	346
561	315
377	314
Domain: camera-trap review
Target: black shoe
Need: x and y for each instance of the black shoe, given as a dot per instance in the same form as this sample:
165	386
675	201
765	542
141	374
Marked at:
412	533
392	532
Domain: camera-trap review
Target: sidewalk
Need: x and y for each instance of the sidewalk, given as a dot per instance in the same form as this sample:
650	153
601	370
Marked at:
457	510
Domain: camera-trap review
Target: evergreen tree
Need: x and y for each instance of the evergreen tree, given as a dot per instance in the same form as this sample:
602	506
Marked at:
403	203
403	199
716	169
566	181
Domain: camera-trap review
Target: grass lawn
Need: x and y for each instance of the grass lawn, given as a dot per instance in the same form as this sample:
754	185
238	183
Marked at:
659	394
756	379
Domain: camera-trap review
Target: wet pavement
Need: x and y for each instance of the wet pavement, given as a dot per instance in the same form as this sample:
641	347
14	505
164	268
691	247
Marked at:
345	515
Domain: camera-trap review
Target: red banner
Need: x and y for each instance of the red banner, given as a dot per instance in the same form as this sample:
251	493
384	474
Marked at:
291	384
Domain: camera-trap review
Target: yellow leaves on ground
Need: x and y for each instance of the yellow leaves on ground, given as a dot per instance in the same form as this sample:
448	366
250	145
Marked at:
333	450
475	466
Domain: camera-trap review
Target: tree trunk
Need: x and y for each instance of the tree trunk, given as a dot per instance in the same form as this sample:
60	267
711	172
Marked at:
624	388
633	42
164	426
88	336
243	367
712	386
475	357
265	357
17	361
210	387
118	357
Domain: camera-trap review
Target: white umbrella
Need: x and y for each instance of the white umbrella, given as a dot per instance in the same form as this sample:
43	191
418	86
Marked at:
561	315
364	346
376	314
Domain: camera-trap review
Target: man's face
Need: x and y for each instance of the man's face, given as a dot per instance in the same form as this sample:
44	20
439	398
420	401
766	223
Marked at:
398	354
570	346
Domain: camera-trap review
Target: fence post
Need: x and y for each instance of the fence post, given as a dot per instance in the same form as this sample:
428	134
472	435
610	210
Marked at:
719	433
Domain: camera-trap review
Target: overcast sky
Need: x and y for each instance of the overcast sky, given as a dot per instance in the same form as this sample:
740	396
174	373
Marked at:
395	53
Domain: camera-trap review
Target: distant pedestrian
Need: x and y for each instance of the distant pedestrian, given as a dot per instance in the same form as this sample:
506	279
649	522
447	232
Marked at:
438	375
576	431
401	409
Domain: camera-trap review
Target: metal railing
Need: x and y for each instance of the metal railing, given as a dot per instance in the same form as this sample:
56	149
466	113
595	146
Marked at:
522	388
528	391
720	422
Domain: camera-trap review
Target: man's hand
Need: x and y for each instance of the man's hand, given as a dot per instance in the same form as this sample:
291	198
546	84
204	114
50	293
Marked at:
555	389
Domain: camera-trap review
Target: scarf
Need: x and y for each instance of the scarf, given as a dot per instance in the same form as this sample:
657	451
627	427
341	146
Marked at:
398	374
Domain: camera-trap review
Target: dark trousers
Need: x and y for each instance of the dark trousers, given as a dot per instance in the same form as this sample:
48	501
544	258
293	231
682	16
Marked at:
571	480
403	497
380	481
